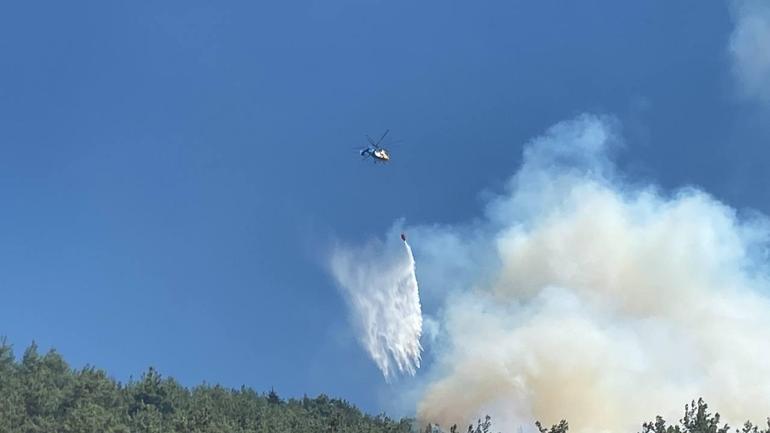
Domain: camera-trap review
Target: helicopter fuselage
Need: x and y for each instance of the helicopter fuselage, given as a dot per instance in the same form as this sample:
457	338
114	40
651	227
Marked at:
378	154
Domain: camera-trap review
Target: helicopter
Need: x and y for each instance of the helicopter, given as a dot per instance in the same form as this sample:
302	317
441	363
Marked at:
375	151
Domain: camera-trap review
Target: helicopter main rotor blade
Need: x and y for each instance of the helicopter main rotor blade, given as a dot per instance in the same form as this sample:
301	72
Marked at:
383	136
371	141
392	143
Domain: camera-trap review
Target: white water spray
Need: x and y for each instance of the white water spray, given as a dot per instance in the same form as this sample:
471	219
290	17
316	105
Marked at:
380	285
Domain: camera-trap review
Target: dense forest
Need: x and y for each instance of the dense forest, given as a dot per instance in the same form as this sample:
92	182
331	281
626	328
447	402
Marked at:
42	394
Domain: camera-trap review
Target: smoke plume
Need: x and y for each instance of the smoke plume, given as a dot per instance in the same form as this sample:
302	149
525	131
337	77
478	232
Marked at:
380	286
750	47
583	296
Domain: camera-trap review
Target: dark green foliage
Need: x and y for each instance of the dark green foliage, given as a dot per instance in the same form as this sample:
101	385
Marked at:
697	419
481	427
561	427
273	398
43	394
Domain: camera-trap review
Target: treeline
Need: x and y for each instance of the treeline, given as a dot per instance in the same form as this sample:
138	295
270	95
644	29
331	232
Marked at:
696	419
42	394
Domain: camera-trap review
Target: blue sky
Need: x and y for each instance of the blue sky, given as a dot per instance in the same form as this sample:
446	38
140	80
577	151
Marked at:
171	175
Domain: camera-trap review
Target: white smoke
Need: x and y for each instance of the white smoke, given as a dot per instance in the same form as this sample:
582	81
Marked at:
595	300
750	47
380	285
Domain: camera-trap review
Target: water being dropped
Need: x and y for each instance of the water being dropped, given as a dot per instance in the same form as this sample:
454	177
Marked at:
380	286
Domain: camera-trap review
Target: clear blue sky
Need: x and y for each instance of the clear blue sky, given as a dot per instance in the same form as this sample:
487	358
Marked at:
171	173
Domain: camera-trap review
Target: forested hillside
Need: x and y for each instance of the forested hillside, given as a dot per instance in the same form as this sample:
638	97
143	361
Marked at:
41	393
